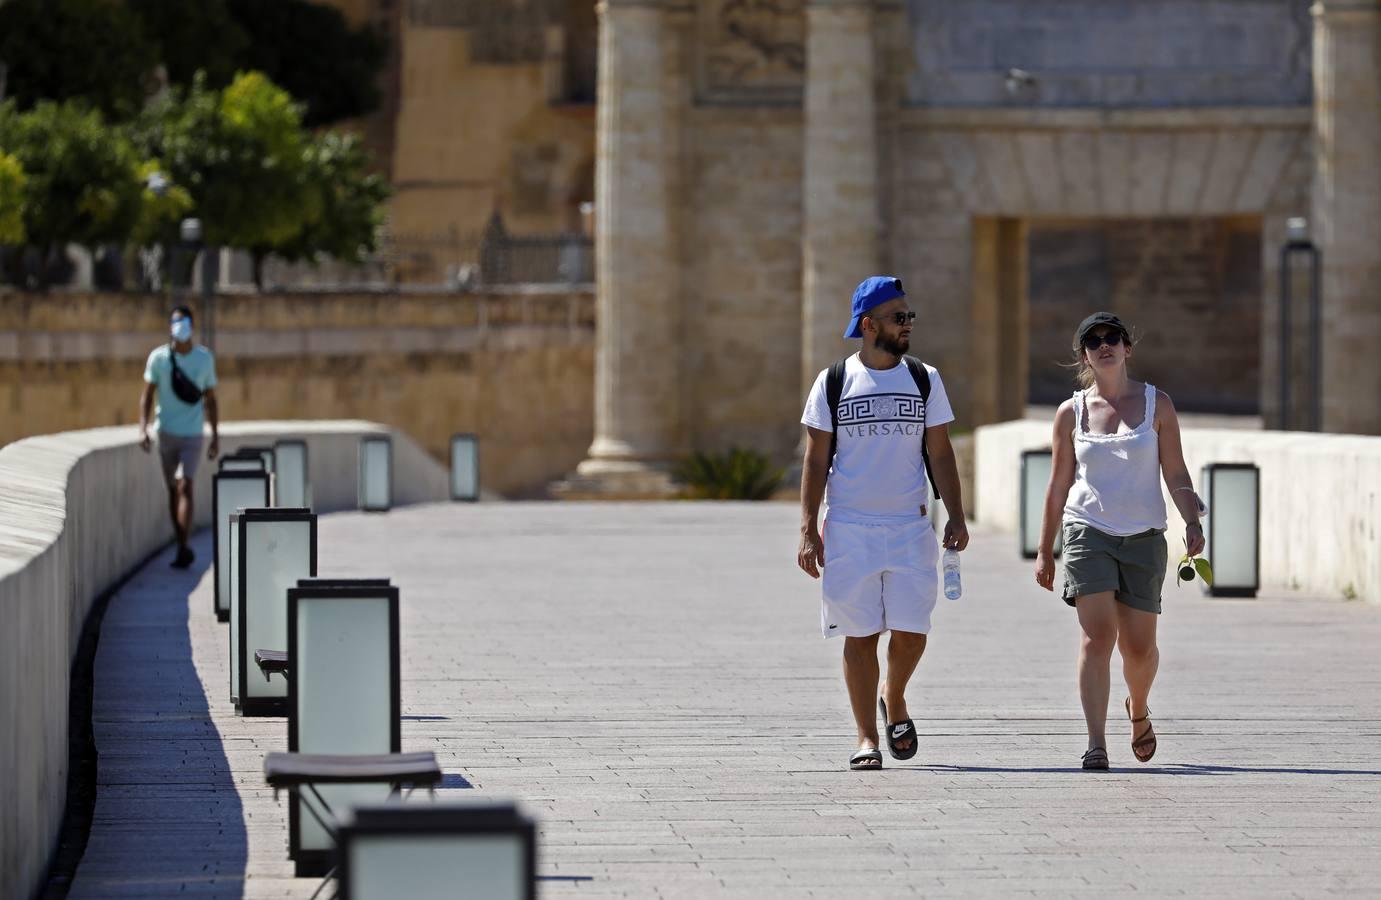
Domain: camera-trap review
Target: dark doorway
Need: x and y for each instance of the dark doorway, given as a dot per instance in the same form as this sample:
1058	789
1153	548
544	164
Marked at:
1189	288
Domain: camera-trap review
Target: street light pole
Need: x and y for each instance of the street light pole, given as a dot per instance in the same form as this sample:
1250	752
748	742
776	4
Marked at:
191	233
210	274
1298	244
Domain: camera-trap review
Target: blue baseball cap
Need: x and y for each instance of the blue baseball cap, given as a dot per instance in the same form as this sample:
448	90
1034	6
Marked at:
873	291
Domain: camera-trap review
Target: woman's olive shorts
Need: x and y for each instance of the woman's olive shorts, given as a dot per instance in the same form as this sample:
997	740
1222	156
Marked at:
1132	566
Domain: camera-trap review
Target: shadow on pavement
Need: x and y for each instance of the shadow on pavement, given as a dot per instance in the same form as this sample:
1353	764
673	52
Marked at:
1173	769
454	781
168	817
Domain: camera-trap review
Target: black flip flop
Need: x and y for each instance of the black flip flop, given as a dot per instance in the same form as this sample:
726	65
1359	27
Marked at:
865	760
897	731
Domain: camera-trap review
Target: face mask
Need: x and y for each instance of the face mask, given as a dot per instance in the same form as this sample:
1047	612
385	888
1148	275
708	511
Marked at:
182	330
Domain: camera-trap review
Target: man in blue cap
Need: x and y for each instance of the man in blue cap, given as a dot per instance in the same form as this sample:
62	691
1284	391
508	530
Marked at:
876	422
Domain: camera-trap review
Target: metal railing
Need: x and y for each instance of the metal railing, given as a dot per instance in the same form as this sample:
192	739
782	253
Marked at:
492	258
449	259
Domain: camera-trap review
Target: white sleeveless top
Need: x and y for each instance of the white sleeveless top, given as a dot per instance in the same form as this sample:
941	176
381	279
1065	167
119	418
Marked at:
1117	477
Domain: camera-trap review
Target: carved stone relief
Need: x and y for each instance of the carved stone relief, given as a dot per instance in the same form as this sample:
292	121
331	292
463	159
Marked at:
751	50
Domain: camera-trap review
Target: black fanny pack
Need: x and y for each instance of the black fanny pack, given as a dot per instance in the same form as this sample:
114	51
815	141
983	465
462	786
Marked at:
186	391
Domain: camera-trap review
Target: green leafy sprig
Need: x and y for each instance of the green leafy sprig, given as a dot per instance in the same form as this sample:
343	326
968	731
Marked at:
1196	564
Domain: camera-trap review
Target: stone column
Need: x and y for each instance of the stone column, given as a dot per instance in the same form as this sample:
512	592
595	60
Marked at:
842	222
1347	208
999	323
642	100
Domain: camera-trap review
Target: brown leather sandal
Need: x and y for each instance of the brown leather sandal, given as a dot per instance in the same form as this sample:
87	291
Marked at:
1144	744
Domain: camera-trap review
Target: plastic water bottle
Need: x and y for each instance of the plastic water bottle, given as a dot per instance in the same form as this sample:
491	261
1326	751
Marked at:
950	564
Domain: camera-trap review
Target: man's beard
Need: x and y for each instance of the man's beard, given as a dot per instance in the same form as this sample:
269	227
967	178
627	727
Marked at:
897	346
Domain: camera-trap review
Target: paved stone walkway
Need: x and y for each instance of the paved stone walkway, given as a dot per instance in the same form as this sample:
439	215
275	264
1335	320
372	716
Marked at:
650	681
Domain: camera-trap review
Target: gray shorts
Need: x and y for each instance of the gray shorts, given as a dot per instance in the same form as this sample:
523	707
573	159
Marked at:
1133	567
180	455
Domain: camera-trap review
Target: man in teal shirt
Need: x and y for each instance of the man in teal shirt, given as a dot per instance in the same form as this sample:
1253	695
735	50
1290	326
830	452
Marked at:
182	376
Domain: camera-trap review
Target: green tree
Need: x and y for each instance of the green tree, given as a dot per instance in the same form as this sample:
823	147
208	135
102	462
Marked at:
193	37
314	54
82	178
240	155
348	203
94	50
12	181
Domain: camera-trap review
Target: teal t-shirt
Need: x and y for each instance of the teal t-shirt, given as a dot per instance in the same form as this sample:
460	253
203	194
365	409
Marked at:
175	416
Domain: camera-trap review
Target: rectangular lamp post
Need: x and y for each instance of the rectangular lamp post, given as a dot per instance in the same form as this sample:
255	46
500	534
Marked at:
265	454
236	463
231	491
465	467
423	851
232	566
292	488
1035	479
376	473
343	582
1233	528
275	547
343	695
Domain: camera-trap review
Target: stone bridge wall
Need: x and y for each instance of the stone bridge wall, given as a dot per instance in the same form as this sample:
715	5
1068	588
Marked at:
78	511
515	367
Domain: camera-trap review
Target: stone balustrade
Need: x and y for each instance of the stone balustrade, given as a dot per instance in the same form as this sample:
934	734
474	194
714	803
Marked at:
78	511
1320	498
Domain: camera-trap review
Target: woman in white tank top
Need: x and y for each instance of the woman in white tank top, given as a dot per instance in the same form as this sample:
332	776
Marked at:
1115	440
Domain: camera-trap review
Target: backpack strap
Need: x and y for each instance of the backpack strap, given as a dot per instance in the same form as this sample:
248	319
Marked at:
834	389
922	379
184	388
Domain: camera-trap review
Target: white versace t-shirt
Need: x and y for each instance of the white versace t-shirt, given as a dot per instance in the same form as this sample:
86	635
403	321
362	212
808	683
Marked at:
878	475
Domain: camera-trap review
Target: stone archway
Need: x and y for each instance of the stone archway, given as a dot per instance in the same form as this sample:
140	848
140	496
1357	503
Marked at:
962	218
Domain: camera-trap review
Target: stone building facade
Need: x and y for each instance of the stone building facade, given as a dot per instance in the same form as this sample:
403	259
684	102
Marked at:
488	108
756	158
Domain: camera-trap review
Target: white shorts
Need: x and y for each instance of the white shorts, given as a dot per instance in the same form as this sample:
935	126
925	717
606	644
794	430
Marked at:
878	577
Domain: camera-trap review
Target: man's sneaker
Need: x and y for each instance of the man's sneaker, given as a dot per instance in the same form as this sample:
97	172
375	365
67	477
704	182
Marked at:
184	558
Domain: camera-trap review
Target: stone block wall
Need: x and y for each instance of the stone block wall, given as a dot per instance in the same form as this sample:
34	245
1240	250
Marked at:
1095	53
514	367
741	346
1190	289
952	179
478	128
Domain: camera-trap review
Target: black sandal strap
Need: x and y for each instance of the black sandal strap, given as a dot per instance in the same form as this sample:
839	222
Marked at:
1096	758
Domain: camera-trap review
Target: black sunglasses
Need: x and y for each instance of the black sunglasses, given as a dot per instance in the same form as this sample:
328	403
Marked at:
896	318
1094	341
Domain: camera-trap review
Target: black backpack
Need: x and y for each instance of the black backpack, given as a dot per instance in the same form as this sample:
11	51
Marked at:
834	389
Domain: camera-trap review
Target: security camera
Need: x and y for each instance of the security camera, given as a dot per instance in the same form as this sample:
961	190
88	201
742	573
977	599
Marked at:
1017	79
